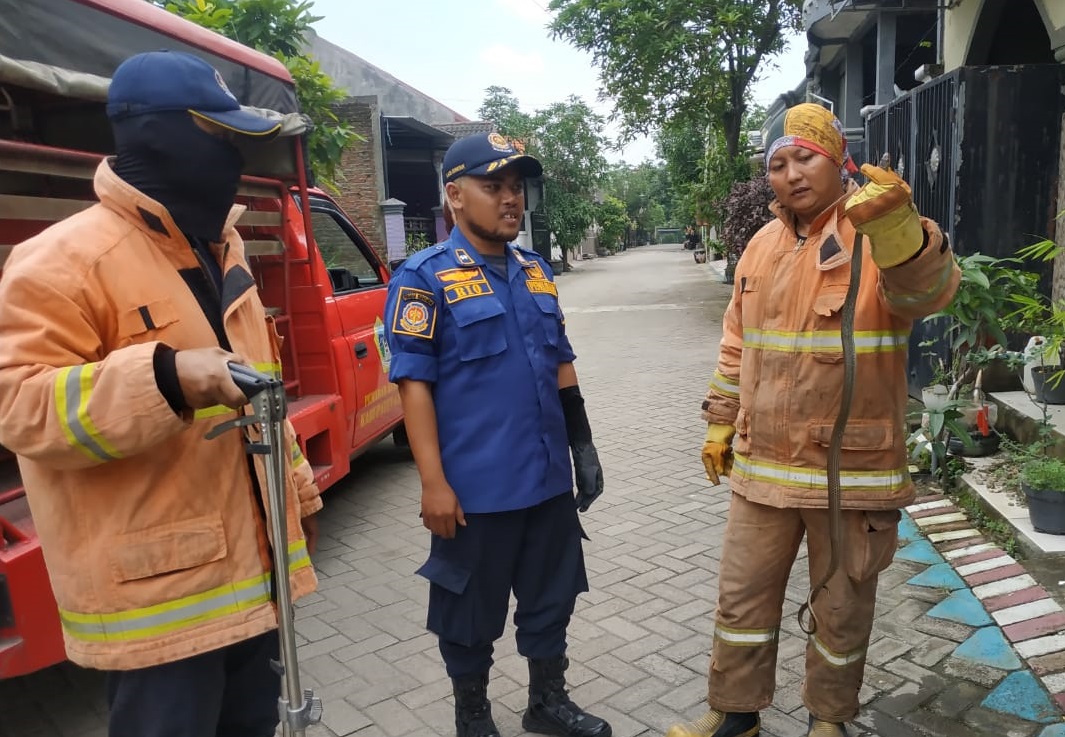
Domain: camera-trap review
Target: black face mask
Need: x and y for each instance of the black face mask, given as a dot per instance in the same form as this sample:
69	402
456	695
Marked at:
191	173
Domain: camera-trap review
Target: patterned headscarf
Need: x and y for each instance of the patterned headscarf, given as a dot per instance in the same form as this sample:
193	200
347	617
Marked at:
813	127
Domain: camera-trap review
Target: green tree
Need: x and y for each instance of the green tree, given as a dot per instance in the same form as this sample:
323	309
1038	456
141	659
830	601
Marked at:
719	172
277	28
500	107
569	142
567	138
644	190
613	221
667	57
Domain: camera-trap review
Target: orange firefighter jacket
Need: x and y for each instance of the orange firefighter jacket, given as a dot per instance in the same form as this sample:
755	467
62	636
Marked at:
779	377
156	545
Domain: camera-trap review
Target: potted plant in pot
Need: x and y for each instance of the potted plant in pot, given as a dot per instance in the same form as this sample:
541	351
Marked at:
1043	484
976	328
1043	318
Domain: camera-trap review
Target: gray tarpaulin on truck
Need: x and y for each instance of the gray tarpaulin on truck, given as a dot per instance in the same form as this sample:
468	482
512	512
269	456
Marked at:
68	50
68	35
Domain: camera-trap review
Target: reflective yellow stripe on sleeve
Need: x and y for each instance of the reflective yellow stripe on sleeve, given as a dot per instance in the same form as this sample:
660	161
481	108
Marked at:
73	390
725	386
297	455
209	412
270	368
178	614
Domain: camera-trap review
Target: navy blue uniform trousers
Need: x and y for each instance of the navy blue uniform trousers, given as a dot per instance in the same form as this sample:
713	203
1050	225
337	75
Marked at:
230	692
534	552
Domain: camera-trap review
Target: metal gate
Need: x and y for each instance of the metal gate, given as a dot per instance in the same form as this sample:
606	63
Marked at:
935	138
979	146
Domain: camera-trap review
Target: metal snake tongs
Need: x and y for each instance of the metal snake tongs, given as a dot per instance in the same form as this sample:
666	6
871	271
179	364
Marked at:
297	708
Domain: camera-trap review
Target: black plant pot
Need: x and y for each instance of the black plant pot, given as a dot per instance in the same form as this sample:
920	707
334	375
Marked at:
981	445
1046	391
1046	509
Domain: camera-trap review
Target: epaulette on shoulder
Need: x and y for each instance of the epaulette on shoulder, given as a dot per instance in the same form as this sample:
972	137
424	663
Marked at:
526	251
424	255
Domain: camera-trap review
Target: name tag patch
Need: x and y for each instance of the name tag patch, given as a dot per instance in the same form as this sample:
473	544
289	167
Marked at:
464	290
541	286
415	313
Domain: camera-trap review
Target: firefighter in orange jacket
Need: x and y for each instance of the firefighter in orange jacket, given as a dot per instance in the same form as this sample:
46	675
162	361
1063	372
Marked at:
773	401
118	325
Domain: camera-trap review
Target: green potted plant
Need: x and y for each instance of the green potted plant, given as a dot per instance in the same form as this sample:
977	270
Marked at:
974	322
1043	318
975	328
1043	484
928	444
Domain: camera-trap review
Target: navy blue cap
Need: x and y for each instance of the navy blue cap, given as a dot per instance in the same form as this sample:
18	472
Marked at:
485	153
160	81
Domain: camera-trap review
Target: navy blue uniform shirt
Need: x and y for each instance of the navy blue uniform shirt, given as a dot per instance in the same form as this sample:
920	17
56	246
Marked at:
490	347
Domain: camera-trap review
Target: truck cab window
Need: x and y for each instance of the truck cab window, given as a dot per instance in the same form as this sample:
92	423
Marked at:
341	249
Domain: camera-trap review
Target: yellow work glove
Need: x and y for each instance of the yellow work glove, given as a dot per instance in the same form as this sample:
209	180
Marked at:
883	211
717	452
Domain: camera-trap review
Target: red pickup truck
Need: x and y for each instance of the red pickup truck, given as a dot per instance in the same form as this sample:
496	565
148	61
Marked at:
317	274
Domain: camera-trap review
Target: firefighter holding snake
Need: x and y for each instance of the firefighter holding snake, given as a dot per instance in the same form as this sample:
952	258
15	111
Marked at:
772	404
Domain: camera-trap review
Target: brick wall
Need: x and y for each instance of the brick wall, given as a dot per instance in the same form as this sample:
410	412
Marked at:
360	194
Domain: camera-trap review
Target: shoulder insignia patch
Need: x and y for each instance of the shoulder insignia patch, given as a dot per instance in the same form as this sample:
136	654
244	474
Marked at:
525	263
451	276
415	313
464	258
535	271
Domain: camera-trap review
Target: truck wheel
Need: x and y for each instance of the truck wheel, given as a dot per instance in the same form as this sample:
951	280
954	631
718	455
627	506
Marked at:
399	436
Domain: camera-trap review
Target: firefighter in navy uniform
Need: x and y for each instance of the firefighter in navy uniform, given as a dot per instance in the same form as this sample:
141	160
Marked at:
493	411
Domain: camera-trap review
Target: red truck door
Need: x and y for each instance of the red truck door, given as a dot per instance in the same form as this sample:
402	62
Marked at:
359	284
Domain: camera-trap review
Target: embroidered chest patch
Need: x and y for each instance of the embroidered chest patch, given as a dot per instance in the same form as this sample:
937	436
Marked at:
541	286
463	283
415	313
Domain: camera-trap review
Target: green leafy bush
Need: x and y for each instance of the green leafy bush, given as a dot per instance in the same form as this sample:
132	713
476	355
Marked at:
1045	474
746	211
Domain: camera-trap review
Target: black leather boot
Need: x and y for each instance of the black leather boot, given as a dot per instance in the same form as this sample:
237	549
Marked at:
550	709
473	711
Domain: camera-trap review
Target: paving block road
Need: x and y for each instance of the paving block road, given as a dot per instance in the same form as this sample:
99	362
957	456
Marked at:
645	325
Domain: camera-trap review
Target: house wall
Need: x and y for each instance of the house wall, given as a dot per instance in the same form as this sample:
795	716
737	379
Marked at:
362	172
960	24
359	77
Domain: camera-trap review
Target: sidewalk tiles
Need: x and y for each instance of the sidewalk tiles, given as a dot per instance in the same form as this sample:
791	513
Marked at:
1018	623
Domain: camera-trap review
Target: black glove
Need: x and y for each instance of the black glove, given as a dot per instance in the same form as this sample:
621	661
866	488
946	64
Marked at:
586	466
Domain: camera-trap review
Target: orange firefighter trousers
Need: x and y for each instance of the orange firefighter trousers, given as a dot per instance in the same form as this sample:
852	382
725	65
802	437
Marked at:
760	547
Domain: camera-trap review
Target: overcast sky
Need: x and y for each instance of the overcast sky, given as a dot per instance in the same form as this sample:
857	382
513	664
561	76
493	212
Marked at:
452	50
